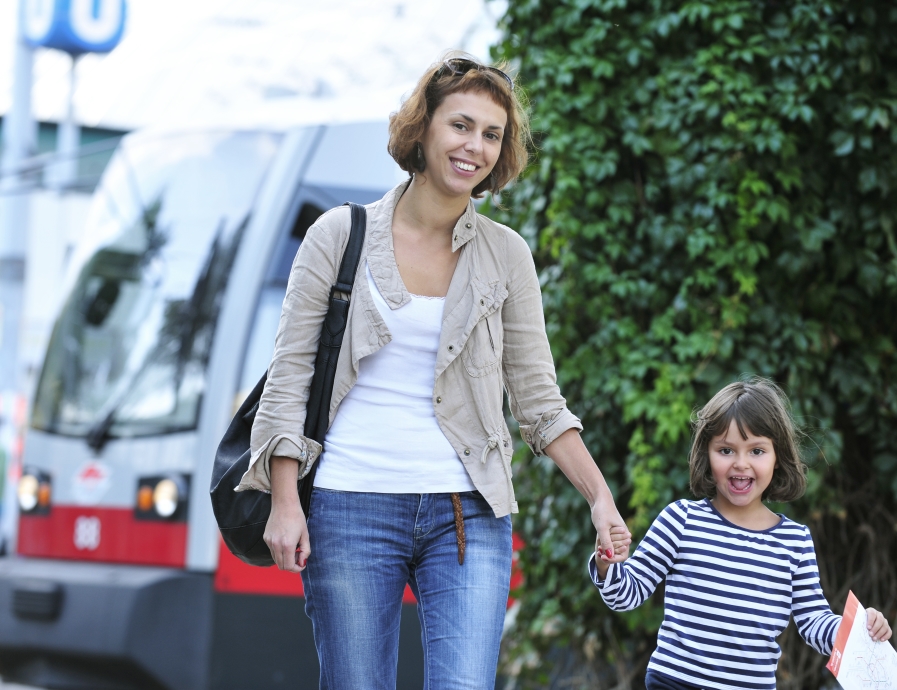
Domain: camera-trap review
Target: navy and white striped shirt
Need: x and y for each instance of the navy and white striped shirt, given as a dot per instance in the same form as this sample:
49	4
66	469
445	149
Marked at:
729	593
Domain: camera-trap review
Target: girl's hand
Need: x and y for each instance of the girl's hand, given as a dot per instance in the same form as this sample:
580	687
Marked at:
877	625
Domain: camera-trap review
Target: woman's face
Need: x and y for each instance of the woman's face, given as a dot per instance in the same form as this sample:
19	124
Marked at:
463	141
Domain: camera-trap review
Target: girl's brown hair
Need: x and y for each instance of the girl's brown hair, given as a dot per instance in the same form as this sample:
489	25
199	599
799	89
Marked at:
758	406
408	126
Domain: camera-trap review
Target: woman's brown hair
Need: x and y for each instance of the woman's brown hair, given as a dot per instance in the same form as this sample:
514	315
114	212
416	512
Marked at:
408	126
758	406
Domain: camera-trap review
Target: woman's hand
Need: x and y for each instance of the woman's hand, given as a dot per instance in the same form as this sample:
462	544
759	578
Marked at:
877	625
286	533
621	539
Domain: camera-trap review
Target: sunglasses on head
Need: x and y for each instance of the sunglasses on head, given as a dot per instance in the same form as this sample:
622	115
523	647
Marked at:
459	66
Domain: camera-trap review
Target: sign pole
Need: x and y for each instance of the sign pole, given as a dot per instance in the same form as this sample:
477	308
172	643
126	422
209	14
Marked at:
68	136
19	143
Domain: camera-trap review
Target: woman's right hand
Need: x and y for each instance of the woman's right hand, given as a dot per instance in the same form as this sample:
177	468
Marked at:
286	533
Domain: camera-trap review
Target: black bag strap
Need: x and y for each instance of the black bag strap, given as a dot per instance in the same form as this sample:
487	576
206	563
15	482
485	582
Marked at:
345	279
317	411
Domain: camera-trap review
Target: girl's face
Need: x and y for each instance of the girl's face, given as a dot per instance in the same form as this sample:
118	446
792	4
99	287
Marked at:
742	468
463	142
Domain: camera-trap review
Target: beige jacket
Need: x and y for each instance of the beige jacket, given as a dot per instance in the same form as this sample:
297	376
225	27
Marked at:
493	337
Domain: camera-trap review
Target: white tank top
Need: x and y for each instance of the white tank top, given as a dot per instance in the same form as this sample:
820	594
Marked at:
385	437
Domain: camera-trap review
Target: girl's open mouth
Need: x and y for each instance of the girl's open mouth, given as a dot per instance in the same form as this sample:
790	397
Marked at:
741	485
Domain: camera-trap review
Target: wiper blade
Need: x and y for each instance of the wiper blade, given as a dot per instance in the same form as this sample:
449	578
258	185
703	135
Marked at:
98	434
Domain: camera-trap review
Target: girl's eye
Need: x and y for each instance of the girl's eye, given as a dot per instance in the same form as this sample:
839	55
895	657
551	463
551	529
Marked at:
726	451
757	451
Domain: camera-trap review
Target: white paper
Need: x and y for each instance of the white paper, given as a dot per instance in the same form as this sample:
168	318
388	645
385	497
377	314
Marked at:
858	662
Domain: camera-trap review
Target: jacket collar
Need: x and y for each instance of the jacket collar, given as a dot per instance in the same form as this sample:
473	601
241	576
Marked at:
381	255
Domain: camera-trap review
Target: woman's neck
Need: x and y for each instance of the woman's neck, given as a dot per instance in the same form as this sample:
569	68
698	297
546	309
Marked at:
430	212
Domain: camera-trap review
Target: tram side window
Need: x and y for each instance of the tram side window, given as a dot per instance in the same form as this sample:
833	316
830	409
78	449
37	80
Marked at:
267	314
306	217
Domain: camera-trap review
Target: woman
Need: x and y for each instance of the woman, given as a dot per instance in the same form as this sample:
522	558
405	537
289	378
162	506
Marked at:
415	484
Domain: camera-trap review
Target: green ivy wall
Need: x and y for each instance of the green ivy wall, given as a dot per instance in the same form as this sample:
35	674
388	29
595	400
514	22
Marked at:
713	196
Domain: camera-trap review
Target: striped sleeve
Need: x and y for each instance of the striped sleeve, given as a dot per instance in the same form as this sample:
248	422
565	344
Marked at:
628	584
812	614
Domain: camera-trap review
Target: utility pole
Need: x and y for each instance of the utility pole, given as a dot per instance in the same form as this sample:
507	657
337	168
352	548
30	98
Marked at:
68	138
19	143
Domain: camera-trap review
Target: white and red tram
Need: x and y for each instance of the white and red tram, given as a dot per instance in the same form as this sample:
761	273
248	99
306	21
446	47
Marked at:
119	579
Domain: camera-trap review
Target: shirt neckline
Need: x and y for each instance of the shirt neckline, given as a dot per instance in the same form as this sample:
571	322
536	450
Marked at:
744	529
373	285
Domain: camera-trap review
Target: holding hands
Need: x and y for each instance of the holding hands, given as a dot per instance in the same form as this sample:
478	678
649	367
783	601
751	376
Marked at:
613	538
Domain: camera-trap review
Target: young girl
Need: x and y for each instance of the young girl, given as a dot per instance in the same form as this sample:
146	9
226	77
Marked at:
734	570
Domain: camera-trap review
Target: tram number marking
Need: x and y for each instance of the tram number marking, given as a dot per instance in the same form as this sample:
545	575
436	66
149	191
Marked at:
87	533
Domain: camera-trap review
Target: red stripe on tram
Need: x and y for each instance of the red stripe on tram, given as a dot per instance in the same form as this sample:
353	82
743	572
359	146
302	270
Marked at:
110	535
236	577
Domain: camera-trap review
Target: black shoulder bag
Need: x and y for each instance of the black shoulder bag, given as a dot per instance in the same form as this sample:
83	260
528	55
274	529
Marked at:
242	516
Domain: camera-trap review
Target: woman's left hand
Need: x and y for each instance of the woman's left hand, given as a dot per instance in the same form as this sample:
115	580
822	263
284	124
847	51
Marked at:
570	454
613	538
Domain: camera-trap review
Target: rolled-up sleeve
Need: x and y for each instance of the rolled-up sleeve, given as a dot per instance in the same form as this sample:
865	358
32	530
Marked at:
527	365
280	420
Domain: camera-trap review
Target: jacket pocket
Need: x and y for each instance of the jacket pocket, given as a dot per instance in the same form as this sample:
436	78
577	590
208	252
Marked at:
482	351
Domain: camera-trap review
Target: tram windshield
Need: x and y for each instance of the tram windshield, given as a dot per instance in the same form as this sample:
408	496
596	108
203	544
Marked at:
129	352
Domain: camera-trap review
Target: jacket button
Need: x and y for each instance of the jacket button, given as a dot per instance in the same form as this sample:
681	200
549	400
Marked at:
467	451
455	238
505	444
451	348
439	400
482	303
468	226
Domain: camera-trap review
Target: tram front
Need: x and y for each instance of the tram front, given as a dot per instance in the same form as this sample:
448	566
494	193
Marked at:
119	580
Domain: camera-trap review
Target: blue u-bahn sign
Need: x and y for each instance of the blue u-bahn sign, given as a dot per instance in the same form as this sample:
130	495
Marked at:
75	26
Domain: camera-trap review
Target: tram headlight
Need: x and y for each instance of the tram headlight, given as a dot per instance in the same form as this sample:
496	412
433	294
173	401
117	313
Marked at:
165	498
162	497
34	492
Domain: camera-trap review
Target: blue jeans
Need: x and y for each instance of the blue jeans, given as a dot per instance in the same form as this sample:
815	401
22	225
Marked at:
365	547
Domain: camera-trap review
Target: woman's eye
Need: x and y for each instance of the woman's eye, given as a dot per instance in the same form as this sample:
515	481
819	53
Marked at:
492	136
460	126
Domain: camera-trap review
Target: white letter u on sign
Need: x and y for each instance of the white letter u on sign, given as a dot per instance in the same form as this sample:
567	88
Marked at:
96	27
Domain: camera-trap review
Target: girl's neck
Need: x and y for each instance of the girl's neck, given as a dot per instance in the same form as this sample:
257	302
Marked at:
424	208
754	516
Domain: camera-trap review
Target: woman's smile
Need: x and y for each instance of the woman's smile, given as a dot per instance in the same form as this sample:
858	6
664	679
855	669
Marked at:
464	166
463	142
